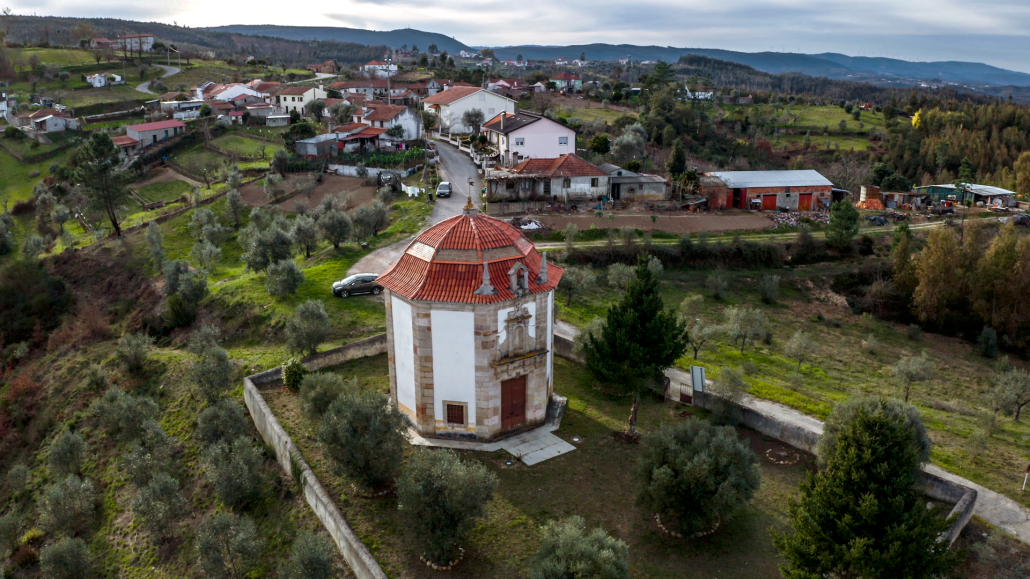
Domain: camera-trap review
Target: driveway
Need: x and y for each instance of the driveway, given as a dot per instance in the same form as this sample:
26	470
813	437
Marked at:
169	71
318	76
456	167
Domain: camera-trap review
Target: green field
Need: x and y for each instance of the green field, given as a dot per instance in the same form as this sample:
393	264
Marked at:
59	56
587	114
847	142
57	140
241	145
168	192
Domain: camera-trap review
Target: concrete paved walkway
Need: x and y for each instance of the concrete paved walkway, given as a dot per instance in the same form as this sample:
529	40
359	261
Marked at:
530	447
991	506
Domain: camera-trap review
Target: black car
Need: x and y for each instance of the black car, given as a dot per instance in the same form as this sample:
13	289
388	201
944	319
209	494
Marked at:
359	283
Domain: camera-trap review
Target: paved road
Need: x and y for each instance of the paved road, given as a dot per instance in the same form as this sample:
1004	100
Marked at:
169	71
993	507
456	167
318	76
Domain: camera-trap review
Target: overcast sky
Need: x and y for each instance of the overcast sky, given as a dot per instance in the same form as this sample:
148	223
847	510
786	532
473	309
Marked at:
996	32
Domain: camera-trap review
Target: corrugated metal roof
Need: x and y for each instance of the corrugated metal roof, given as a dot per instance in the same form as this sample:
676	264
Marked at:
981	190
749	179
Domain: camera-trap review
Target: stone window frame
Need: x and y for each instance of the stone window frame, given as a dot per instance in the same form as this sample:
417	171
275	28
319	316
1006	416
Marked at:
464	412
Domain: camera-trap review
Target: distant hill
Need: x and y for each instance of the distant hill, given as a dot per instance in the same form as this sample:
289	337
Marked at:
830	65
391	38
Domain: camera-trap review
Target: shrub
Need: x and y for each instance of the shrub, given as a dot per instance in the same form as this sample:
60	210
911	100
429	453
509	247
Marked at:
865	245
914	332
178	312
442	497
987	342
364	438
10	527
227	545
17	478
159	504
311	557
769	288
695	474
96	378
567	551
122	414
68	505
308	327
716	283
66	454
65	559
234	470
749	367
319	390
133	350
225	421
619	276
283	279
870	345
293	374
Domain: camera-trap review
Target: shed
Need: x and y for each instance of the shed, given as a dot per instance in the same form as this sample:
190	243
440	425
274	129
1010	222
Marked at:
768	190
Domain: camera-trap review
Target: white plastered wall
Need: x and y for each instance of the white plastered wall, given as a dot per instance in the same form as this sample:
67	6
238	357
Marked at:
454	365
404	355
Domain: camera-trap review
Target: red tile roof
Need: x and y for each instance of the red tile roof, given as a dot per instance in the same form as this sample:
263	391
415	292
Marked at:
124	141
447	97
156	126
384	113
376	63
565	76
296	90
568	165
445	262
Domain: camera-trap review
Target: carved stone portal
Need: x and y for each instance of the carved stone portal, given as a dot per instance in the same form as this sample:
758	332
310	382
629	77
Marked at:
517	341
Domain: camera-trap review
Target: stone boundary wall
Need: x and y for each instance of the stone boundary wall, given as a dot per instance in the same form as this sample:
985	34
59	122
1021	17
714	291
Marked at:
357	555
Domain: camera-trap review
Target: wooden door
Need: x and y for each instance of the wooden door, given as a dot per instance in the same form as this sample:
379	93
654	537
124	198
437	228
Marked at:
768	203
513	403
739	200
805	202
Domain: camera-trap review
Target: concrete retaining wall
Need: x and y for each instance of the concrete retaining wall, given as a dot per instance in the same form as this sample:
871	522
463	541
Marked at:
358	557
372	346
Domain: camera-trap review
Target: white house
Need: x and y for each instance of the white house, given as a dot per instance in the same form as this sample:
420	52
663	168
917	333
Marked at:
561	62
136	42
388	116
624	61
295	98
379	69
98	80
450	105
54	123
152	133
524	135
277	120
467	54
579	62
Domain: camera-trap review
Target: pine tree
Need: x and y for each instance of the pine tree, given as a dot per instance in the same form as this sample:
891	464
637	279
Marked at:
861	515
677	163
640	340
104	186
843	225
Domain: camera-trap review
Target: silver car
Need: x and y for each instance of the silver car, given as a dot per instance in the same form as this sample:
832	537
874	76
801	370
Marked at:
444	189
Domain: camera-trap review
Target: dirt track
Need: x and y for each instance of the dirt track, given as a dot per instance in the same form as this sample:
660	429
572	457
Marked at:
254	195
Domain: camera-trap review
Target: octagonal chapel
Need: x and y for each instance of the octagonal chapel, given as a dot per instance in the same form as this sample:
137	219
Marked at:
469	323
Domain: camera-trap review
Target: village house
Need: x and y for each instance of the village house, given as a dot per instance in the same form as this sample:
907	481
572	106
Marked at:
343	139
450	105
276	120
102	79
136	42
263	87
101	43
295	98
227	92
327	67
979	194
469	330
568	82
522	135
127	146
565	179
388	116
624	61
628	186
767	190
467	54
148	134
182	109
561	62
379	69
52	121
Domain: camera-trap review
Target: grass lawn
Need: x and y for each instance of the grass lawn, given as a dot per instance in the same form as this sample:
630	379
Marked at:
168	192
113	124
59	56
847	142
272	133
840	365
596	481
198	154
246	147
15	183
108	94
58	140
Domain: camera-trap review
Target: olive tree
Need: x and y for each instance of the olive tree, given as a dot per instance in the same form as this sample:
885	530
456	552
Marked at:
364	438
305	234
319	390
235	471
912	369
159	504
65	559
798	348
68	505
575	279
212	371
568	551
745	324
443	496
133	352
283	278
308	327
66	454
619	276
155	244
123	415
311	557
227	545
223	421
695	475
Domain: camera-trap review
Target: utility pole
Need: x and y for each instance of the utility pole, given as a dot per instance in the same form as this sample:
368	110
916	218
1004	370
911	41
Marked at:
389	63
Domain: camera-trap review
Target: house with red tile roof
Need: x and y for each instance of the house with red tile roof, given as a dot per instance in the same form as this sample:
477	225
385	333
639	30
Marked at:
469	324
567	81
149	134
379	69
566	179
386	117
295	98
327	67
523	135
451	105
